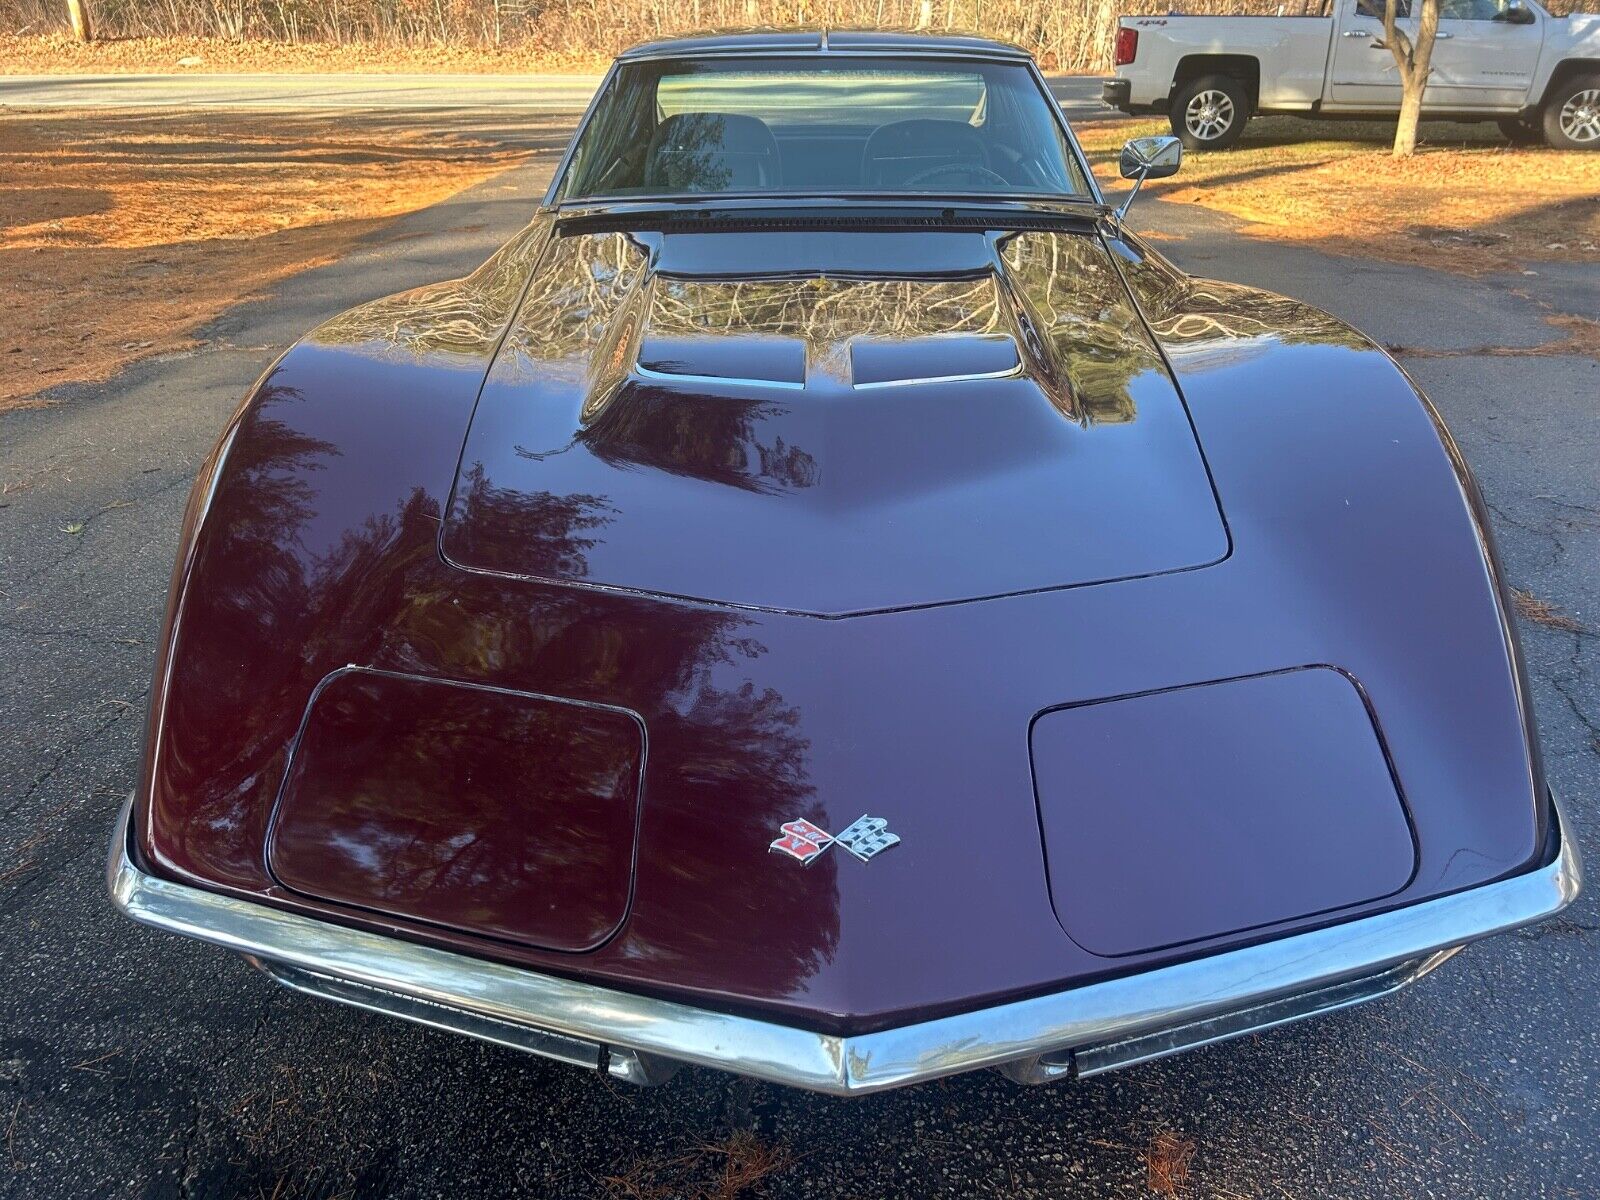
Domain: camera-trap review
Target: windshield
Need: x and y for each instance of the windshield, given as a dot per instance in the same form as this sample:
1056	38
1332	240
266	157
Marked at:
800	126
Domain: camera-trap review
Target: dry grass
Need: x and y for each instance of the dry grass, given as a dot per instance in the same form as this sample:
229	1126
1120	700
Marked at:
1067	35
11	1139
1542	612
60	54
123	233
719	1171
1167	1159
23	860
1467	202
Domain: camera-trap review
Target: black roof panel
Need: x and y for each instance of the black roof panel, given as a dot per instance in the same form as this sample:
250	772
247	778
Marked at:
802	41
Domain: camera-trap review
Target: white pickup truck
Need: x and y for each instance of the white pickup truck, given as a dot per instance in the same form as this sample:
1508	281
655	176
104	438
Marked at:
1504	60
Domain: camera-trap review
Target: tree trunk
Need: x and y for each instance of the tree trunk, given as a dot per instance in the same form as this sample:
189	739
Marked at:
82	29
1412	61
1405	133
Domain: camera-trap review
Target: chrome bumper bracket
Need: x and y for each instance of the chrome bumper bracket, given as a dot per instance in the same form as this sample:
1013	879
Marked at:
517	1036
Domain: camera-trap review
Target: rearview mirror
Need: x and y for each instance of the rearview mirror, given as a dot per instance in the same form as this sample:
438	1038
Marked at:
1148	158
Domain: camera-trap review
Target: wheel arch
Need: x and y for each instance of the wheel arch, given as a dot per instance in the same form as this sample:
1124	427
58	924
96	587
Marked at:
1564	72
1244	67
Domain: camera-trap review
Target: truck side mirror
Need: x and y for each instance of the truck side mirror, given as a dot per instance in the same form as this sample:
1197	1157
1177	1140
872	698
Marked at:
1515	13
1148	158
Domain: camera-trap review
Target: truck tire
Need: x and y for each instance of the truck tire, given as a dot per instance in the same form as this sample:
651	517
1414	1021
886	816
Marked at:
1209	113
1520	132
1572	113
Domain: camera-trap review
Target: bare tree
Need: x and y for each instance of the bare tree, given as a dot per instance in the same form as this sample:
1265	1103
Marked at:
78	11
1412	59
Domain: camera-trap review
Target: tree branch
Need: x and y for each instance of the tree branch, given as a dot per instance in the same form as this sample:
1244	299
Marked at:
1395	38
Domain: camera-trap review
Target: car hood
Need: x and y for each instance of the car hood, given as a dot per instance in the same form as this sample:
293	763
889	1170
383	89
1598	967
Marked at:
851	429
539	761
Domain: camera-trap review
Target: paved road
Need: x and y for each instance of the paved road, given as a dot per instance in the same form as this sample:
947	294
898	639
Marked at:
134	1064
1079	95
546	93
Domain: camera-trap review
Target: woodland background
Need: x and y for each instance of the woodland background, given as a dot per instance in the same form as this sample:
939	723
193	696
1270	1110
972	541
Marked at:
1066	35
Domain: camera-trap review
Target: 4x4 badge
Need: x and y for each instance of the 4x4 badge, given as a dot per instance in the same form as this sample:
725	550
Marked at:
803	841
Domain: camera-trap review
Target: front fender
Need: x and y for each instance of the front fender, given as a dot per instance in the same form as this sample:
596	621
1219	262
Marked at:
329	479
1324	450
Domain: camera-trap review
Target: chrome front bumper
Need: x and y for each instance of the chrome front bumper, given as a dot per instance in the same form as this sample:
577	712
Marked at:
1082	1031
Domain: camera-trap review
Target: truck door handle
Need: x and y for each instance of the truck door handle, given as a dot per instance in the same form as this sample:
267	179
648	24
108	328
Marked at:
1358	33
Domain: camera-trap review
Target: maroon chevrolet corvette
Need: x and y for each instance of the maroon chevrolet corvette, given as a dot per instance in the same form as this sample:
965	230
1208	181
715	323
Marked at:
827	601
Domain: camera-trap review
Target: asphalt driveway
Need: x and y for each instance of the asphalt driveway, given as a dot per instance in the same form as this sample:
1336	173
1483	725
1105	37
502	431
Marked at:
134	1064
1078	95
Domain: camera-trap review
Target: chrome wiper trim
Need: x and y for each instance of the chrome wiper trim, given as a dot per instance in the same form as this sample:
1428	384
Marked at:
635	1029
710	209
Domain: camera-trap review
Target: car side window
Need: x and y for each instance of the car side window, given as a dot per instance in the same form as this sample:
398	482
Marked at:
1374	9
1470	10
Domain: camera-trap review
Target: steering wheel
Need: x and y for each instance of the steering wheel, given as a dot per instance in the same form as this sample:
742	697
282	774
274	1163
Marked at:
972	170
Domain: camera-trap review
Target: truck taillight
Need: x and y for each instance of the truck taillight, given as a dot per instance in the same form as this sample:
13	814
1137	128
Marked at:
1127	47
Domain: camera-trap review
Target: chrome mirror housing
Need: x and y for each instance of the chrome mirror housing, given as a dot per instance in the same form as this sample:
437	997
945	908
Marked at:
1151	158
1148	158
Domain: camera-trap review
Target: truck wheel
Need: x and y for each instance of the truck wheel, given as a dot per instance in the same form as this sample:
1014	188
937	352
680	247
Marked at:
1209	113
1519	132
1572	114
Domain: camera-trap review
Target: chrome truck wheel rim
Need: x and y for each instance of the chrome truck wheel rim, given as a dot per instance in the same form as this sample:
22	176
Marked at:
1580	116
1208	115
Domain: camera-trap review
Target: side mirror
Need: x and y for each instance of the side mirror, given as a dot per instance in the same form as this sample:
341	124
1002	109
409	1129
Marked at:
1151	158
1148	158
1516	13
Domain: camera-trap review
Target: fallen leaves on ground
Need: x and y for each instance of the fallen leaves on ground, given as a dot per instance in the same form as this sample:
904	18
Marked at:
123	232
709	1171
1583	338
1167	1160
1542	612
1466	202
